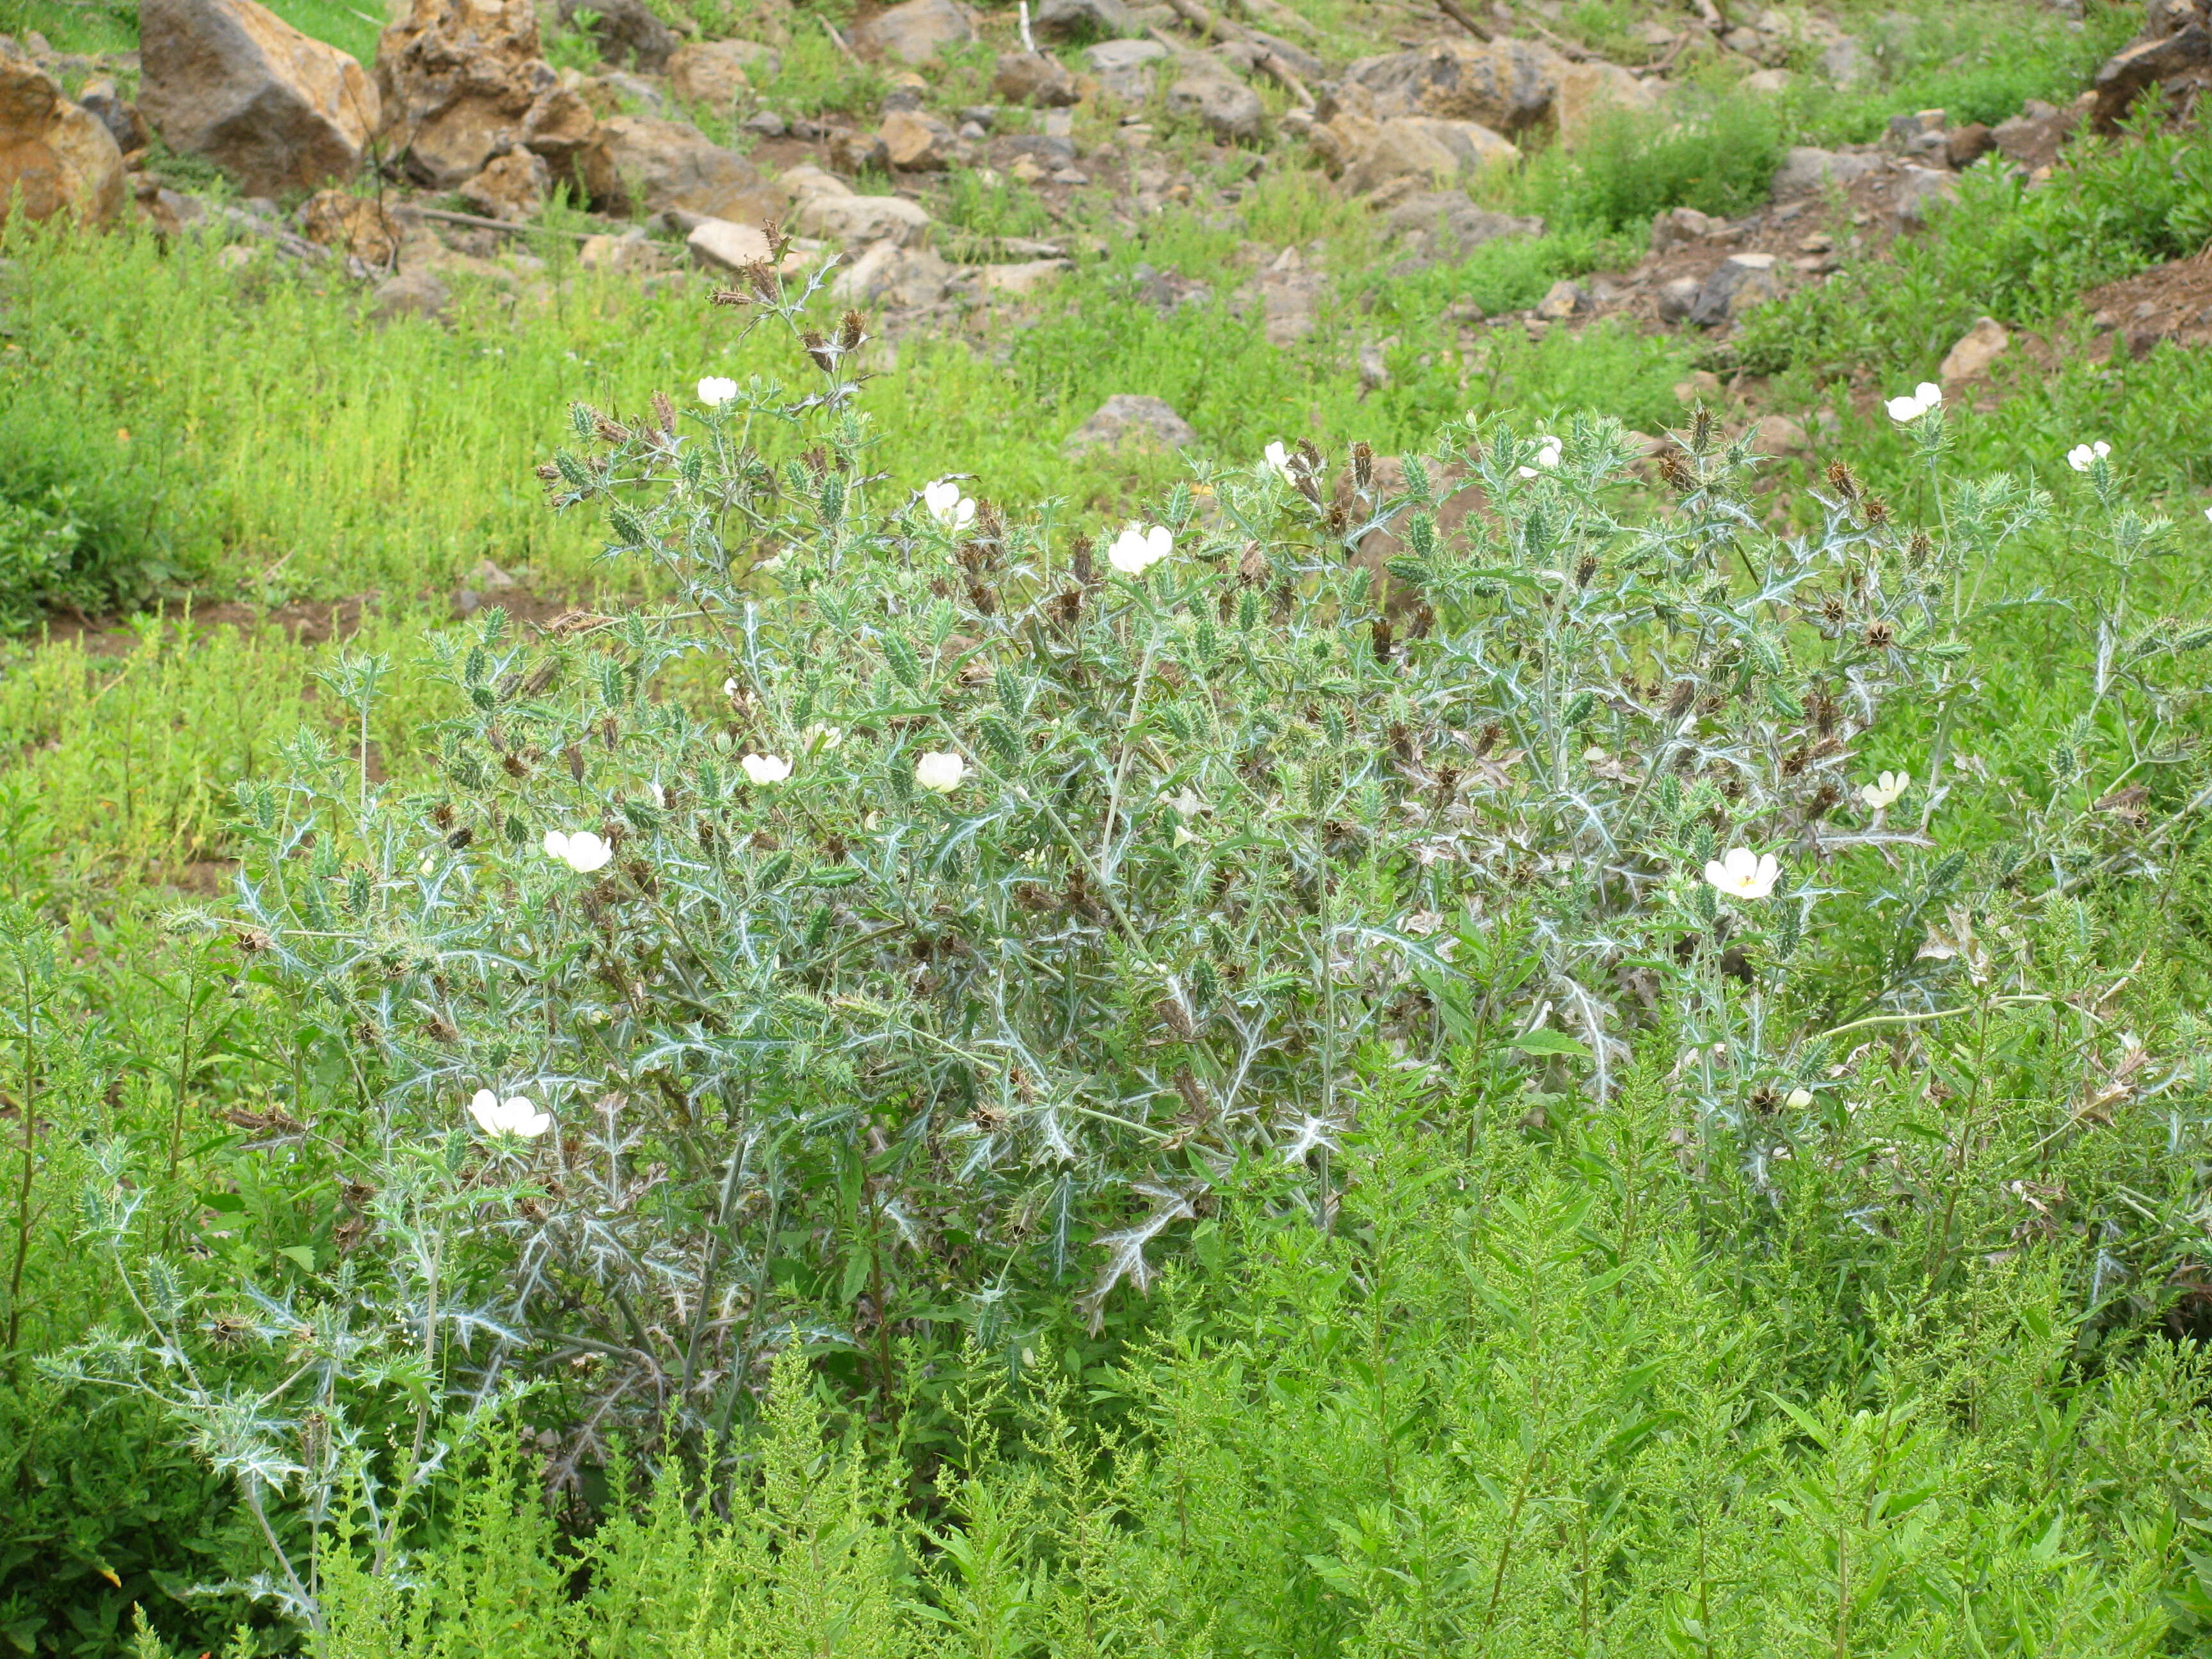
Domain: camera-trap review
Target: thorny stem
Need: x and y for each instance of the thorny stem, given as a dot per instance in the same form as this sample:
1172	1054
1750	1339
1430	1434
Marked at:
30	1170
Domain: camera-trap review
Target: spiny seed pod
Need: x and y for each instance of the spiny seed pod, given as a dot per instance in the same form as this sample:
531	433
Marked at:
818	349
1843	480
610	431
1488	739
1917	550
1252	565
1701	429
1676	471
1362	464
1078	559
664	413
1585	570
852	330
1679	699
1832	610
1876	511
1382	639
729	296
1880	635
1823	803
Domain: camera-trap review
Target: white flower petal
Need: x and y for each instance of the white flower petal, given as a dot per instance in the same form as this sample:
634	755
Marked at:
716	390
764	768
940	772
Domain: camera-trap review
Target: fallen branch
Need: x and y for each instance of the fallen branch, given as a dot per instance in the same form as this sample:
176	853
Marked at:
1465	18
1566	49
476	221
1207	24
1267	60
830	29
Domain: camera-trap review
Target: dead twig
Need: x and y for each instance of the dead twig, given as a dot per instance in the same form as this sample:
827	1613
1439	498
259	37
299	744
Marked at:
1460	16
830	29
476	221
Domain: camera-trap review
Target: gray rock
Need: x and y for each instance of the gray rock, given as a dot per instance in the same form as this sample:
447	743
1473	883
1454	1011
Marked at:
1374	368
1564	300
1977	349
411	294
915	33
733	247
662	165
1921	190
852	220
1846	64
1128	421
635	92
718	73
1124	69
630	35
1675	297
1303	63
1050	153
115	112
2126	73
1032	77
887	274
1083	20
1743	280
765	122
1208	95
1806	171
1444	224
1679	225
2032	138
1289	297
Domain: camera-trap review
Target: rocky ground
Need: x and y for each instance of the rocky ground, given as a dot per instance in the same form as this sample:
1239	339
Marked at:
429	165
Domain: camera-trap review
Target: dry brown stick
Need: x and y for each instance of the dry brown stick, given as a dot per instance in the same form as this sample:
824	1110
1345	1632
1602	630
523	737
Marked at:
830	29
1269	62
1566	49
1464	18
1272	64
408	209
1207	23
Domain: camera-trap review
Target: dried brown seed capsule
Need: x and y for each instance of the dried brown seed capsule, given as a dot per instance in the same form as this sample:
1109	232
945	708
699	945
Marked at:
1880	635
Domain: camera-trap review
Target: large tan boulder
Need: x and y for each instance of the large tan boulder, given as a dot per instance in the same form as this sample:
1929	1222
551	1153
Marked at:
462	81
357	225
233	82
661	164
55	157
1508	86
1368	153
1588	93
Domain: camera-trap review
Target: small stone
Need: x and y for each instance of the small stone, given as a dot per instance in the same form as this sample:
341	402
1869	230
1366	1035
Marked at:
1743	280
1675	297
1374	368
1083	20
859	152
1025	278
1704	386
1964	146
512	187
1679	225
490	579
1032	77
1129	420
1223	106
732	246
1564	300
1769	82
1846	64
765	122
1806	171
1977	349
117	113
356	225
916	32
718	73
915	142
411	294
1125	68
886	273
628	31
1921	190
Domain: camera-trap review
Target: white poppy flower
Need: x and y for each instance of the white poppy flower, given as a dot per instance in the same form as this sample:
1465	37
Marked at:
764	768
1886	791
716	390
514	1116
1279	462
1548	450
1136	550
1743	874
820	738
582	851
2082	457
940	772
953	511
1798	1099
1924	397
730	687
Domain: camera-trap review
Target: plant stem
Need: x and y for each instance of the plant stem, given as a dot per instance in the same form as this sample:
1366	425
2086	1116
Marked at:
30	1173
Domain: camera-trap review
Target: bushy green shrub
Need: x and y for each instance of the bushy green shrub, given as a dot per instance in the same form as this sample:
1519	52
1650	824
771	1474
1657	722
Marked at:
1716	153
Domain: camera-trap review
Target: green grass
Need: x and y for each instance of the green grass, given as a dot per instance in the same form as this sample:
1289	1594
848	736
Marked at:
109	25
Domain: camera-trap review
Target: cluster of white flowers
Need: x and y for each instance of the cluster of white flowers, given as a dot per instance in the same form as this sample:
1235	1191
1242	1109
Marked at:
1279	462
2082	457
764	768
1924	397
1548	450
